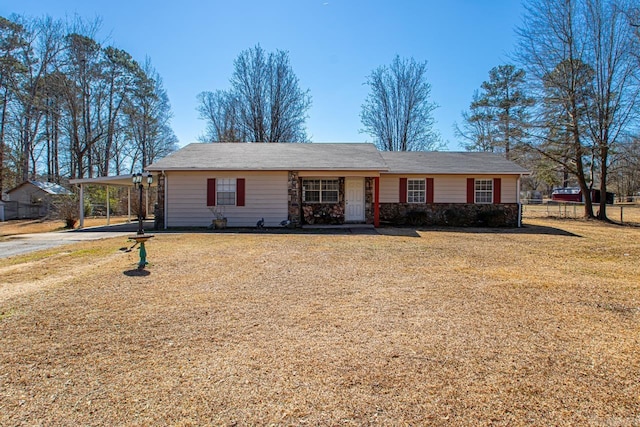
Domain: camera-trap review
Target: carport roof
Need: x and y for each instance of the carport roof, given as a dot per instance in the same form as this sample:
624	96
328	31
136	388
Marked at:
119	180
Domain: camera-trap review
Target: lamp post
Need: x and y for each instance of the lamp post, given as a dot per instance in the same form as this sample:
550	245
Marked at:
137	180
140	237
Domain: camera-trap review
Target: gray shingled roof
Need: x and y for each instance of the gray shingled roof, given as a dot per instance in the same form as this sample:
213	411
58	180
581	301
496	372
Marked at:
322	156
447	162
257	156
48	187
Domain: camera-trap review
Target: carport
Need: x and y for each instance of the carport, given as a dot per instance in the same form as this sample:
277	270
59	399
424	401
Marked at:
109	181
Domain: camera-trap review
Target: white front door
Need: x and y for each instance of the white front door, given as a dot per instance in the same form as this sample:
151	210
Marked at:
354	189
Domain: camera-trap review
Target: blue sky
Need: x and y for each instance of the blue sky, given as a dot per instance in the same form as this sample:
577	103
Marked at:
333	45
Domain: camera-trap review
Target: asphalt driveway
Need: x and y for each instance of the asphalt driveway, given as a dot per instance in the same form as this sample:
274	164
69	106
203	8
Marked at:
25	243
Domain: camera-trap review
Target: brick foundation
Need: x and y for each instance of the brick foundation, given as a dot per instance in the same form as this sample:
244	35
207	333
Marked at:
450	214
325	213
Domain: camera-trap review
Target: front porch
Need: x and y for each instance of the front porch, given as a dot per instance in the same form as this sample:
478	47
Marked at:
333	200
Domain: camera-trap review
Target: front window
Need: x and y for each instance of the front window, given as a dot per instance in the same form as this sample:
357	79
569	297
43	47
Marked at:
416	190
484	191
226	191
320	190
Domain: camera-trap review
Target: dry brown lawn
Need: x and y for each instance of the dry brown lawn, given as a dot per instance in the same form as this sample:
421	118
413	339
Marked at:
536	326
28	226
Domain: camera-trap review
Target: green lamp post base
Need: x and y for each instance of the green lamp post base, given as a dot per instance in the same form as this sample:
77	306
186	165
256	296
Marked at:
141	239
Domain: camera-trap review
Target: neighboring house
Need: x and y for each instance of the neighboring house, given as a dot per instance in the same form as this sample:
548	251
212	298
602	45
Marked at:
324	183
32	199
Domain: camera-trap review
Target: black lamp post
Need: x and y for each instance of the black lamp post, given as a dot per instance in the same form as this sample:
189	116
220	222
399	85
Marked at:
137	180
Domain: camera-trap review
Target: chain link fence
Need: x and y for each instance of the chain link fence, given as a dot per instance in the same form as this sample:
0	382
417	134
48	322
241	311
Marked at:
625	213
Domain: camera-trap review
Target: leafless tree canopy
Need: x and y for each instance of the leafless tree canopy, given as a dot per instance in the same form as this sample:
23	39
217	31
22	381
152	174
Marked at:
581	56
398	113
264	104
71	107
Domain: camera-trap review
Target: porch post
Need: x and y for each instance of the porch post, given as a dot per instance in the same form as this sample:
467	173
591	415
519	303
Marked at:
376	202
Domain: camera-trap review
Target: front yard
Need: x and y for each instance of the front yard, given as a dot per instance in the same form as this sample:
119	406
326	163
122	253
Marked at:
531	326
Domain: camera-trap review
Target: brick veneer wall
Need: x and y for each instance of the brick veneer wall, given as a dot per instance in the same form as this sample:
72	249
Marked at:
295	198
448	214
324	213
369	188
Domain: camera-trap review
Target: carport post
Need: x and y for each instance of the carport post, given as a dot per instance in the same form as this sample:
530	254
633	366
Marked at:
129	204
81	207
108	216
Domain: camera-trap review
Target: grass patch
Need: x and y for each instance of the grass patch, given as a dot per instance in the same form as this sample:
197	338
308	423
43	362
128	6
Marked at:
536	326
5	314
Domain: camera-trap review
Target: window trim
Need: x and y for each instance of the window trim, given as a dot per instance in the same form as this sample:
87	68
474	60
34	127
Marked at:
423	199
489	192
321	190
220	181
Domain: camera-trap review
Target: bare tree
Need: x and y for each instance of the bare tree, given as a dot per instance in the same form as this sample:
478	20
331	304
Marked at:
264	104
611	42
551	43
582	54
11	42
63	99
38	54
220	110
272	107
120	74
83	95
624	169
397	112
148	118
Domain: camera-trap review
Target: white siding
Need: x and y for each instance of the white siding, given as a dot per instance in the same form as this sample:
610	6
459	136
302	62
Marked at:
389	188
446	188
509	193
266	196
450	189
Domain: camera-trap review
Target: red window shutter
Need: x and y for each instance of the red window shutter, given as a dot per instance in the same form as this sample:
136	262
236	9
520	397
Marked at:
497	190
240	184
429	190
471	190
211	192
403	190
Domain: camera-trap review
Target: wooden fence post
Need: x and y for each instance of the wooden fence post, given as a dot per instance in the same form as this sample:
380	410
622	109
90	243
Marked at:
621	216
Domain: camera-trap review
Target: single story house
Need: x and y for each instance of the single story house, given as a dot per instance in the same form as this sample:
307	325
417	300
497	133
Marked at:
33	199
329	183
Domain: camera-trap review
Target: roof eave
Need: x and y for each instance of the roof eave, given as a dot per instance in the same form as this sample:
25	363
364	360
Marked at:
469	172
165	169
